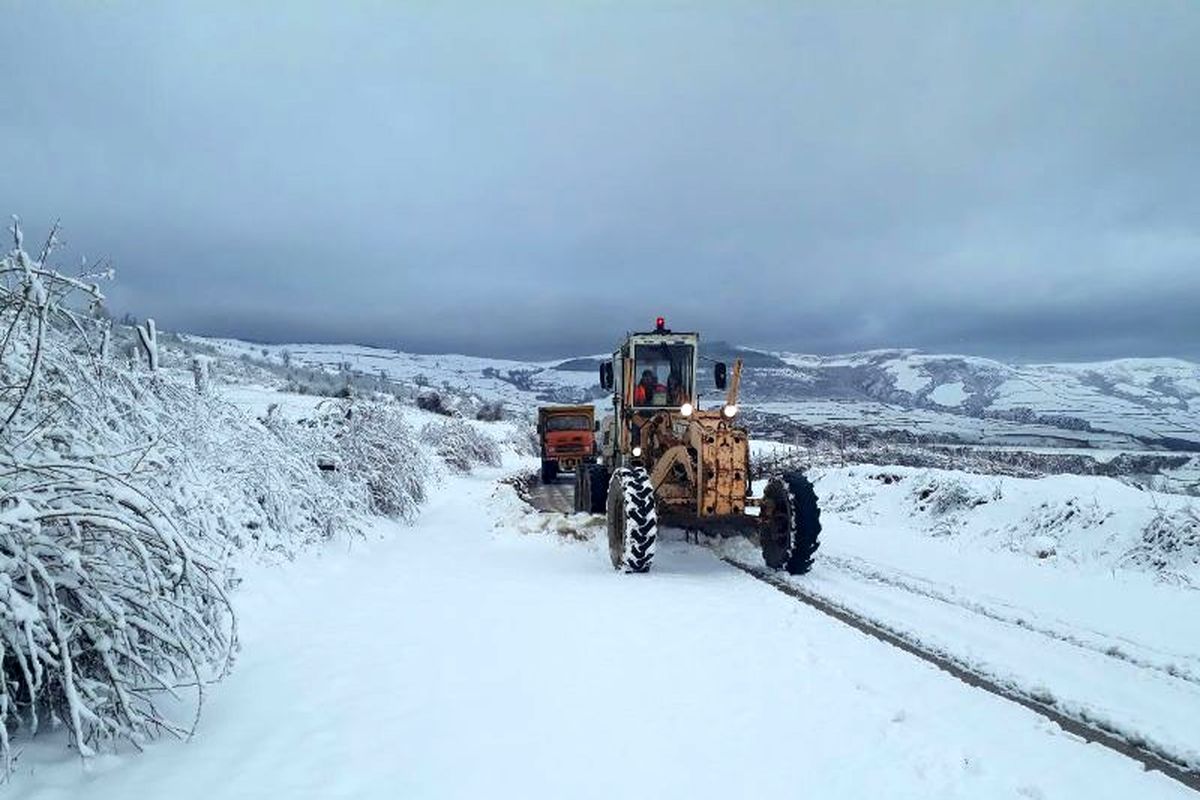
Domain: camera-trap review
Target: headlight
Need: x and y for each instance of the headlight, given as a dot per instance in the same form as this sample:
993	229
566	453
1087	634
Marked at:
637	452
686	409
729	411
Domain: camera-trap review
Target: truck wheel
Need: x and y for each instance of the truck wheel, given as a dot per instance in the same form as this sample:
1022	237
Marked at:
597	493
583	500
549	471
632	520
790	523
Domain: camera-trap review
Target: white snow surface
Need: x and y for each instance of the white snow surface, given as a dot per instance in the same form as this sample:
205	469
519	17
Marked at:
949	394
909	377
1025	581
464	657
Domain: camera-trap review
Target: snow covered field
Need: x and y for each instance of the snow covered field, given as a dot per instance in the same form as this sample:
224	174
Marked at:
462	658
486	648
1029	582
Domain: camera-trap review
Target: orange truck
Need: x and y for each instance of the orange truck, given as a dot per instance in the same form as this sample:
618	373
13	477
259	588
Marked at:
567	436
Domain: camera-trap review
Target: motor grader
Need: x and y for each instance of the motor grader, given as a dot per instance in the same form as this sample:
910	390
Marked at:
665	460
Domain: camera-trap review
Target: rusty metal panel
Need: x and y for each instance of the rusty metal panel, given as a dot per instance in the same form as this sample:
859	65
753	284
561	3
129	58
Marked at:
724	456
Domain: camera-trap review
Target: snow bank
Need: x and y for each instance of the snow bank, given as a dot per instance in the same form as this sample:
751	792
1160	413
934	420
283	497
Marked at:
1087	522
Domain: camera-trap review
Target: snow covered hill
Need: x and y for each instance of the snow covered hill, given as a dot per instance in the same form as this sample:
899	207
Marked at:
1125	404
1154	402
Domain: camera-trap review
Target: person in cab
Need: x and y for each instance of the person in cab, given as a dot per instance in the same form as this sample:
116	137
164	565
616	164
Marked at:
649	391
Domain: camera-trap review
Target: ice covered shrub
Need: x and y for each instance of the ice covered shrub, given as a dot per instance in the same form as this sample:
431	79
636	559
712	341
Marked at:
377	451
253	485
1169	546
432	402
107	601
944	494
104	605
460	445
524	440
490	412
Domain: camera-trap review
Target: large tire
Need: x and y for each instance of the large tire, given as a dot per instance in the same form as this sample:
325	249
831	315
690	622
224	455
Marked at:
591	489
582	501
632	520
549	471
597	491
790	523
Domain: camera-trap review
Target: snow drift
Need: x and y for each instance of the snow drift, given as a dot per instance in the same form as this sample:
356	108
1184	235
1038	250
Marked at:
1085	522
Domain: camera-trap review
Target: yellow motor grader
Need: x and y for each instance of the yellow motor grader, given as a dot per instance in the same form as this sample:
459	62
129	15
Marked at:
665	460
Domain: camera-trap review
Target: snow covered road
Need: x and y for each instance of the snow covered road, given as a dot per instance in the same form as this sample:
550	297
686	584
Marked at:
1121	655
460	658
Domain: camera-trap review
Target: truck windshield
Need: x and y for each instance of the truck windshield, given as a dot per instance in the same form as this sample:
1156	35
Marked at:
568	424
662	375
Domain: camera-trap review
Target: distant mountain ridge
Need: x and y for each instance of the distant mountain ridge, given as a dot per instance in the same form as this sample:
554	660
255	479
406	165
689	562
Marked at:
1154	400
1125	403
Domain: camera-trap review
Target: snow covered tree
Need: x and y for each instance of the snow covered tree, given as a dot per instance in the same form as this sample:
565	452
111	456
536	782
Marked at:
106	602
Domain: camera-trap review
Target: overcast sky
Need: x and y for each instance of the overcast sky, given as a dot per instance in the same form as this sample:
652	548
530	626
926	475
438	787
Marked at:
1019	180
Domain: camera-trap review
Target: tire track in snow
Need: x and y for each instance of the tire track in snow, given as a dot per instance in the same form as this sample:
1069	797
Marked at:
1090	730
1098	731
1109	646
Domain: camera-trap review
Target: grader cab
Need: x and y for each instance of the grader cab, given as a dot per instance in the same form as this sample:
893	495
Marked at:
664	459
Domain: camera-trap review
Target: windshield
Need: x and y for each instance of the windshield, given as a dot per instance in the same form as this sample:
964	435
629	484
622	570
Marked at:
568	424
662	375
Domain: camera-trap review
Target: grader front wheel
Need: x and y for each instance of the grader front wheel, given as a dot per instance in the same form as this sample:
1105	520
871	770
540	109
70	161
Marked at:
632	520
790	523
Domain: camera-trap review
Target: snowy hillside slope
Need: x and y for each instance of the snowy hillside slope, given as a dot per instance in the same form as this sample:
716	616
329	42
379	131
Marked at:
1123	404
519	384
1152	401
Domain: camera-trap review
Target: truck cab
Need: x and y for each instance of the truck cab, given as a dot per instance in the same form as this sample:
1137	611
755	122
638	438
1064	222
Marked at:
567	438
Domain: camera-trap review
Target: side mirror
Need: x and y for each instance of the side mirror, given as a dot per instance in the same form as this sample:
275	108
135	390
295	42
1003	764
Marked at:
719	374
606	375
596	425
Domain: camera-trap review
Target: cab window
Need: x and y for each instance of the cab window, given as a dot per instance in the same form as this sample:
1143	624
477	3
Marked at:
662	375
568	424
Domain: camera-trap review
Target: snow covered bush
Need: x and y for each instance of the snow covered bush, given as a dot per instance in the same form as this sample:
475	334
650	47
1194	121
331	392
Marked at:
490	411
942	494
523	440
104	605
107	600
253	485
1170	544
127	486
432	402
460	445
378	452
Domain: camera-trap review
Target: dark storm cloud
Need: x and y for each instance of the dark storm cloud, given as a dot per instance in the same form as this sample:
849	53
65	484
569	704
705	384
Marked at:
1014	180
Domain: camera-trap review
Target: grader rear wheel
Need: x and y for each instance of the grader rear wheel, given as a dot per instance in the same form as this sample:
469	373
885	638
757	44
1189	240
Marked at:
790	523
632	520
582	495
591	488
